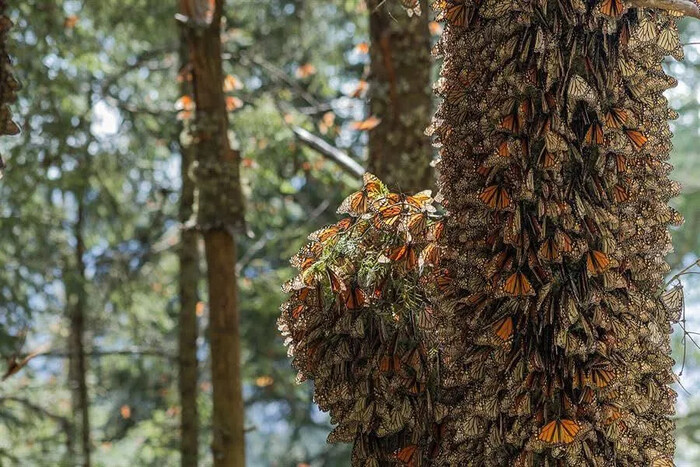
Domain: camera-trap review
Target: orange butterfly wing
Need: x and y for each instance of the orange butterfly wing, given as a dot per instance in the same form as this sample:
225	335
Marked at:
597	262
637	138
517	285
504	328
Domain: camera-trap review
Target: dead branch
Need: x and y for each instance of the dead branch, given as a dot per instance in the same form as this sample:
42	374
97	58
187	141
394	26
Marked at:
687	7
328	151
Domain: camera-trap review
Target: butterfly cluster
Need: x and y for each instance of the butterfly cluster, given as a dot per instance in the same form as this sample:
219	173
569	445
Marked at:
8	84
554	137
360	324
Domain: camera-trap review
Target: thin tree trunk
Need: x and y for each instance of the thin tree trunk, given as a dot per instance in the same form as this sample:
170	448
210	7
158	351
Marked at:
187	326
400	96
219	214
75	285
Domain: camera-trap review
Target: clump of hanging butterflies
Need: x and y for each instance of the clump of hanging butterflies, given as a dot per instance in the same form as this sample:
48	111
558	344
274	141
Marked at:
359	322
8	84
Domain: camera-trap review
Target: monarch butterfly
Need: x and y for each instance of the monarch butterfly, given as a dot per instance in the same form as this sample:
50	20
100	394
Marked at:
444	282
562	431
602	377
517	285
637	138
564	242
547	159
301	294
420	200
417	224
549	250
430	256
616	118
510	123
597	262
504	328
594	134
620	194
408	455
647	30
355	298
455	12
298	310
587	395
307	256
404	252
435	230
484	171
495	197
662	461
389	215
337	285
612	414
673	301
503	149
331	231
612	8
389	363
620	162
413	359
357	203
580	90
669	41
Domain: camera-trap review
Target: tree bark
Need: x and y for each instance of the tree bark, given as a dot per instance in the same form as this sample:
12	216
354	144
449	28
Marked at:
187	325
219	213
77	373
400	96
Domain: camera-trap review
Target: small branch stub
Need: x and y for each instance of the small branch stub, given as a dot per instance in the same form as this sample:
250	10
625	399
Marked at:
687	7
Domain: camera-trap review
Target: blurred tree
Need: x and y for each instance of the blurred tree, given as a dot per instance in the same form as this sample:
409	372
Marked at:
219	214
188	328
400	95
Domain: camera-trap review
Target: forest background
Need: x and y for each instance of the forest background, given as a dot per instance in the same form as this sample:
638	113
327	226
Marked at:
90	202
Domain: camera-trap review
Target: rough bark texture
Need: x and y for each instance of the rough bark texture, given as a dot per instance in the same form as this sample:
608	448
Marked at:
77	372
219	213
400	95
187	325
554	141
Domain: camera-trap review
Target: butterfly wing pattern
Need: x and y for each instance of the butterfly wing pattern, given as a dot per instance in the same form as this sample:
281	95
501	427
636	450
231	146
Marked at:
549	252
357	323
8	84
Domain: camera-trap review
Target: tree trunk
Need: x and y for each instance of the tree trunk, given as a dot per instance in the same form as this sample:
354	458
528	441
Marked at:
554	138
400	96
219	215
77	373
187	325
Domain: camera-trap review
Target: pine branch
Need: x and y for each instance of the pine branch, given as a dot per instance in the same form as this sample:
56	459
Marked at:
687	7
328	151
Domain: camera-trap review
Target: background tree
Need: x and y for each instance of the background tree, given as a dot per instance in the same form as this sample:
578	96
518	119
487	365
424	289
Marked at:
219	214
399	95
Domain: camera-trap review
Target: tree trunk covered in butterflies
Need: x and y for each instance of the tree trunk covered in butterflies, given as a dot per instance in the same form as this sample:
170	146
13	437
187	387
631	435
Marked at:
219	215
77	370
400	96
535	330
188	281
8	84
555	141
